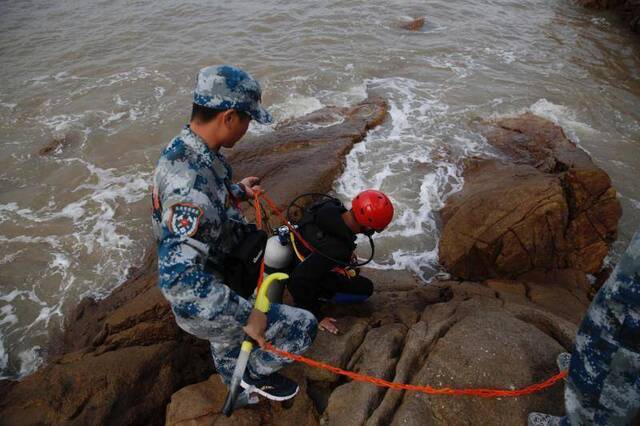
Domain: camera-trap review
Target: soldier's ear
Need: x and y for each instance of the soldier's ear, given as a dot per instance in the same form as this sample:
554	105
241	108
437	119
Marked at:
227	117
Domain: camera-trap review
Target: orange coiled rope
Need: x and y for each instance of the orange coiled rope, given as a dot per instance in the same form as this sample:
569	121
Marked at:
274	209
256	205
479	392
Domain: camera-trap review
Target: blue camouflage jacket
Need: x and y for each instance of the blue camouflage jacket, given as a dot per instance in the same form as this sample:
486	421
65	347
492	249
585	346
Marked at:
197	223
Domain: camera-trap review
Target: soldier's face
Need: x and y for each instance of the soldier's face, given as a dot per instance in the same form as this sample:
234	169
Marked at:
235	125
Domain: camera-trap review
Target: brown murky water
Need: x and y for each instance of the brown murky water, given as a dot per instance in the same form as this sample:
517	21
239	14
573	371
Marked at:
113	78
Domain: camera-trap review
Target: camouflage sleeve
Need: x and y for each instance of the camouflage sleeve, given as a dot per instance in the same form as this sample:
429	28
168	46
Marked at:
238	191
191	224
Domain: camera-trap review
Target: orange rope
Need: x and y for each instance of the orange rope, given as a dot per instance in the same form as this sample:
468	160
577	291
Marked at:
257	206
479	392
274	209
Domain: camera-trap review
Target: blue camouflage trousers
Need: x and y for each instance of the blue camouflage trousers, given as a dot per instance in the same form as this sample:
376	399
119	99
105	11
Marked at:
288	328
603	386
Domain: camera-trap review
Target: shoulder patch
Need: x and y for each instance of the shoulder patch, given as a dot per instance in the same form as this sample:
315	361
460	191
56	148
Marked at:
185	219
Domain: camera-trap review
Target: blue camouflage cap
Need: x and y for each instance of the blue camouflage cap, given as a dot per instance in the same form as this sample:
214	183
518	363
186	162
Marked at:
228	87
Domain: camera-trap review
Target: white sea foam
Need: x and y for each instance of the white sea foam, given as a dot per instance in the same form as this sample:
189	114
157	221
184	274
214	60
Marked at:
4	358
563	117
557	114
112	117
460	63
96	228
505	56
5	209
10	297
418	136
138	73
93	215
10	257
60	261
346	98
295	106
158	92
30	360
59	124
22	239
8	105
7	316
119	101
600	20
110	189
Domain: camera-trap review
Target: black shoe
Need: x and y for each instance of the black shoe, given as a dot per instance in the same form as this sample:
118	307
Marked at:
275	387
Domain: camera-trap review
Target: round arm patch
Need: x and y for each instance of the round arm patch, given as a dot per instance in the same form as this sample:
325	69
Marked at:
185	219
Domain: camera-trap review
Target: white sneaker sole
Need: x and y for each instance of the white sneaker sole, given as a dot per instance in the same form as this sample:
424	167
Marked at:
252	388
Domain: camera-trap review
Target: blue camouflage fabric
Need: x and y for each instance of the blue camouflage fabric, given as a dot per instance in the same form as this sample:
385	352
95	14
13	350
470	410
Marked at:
603	386
227	87
197	224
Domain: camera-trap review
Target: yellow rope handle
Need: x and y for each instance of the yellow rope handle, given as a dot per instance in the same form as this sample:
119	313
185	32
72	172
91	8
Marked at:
262	301
295	248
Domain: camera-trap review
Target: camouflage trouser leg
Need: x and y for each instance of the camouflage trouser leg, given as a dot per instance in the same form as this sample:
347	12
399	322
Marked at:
603	387
288	328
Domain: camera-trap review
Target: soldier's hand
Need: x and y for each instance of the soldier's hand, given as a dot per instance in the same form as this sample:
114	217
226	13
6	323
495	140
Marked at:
251	185
328	324
256	326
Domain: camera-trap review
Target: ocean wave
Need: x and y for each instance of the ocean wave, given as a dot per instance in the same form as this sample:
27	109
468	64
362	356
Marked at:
563	116
4	358
416	157
99	234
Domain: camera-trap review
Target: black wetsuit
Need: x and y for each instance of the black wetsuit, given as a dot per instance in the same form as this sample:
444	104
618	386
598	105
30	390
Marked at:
313	279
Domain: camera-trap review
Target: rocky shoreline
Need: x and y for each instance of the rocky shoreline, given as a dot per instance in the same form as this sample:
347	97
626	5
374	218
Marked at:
629	10
519	239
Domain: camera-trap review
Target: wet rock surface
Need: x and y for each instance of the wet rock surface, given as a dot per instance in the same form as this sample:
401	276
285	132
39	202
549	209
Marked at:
415	24
201	404
546	206
118	362
461	334
629	10
58	144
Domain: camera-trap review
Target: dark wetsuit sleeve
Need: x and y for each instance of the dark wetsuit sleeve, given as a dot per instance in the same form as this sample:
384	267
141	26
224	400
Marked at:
307	283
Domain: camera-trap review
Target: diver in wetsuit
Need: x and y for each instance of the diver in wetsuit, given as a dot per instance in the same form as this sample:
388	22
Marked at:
330	230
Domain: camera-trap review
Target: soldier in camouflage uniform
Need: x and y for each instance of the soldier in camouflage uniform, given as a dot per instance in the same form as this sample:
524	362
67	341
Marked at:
603	386
197	223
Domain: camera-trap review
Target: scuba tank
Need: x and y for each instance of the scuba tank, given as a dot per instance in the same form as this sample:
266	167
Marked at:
278	253
278	257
